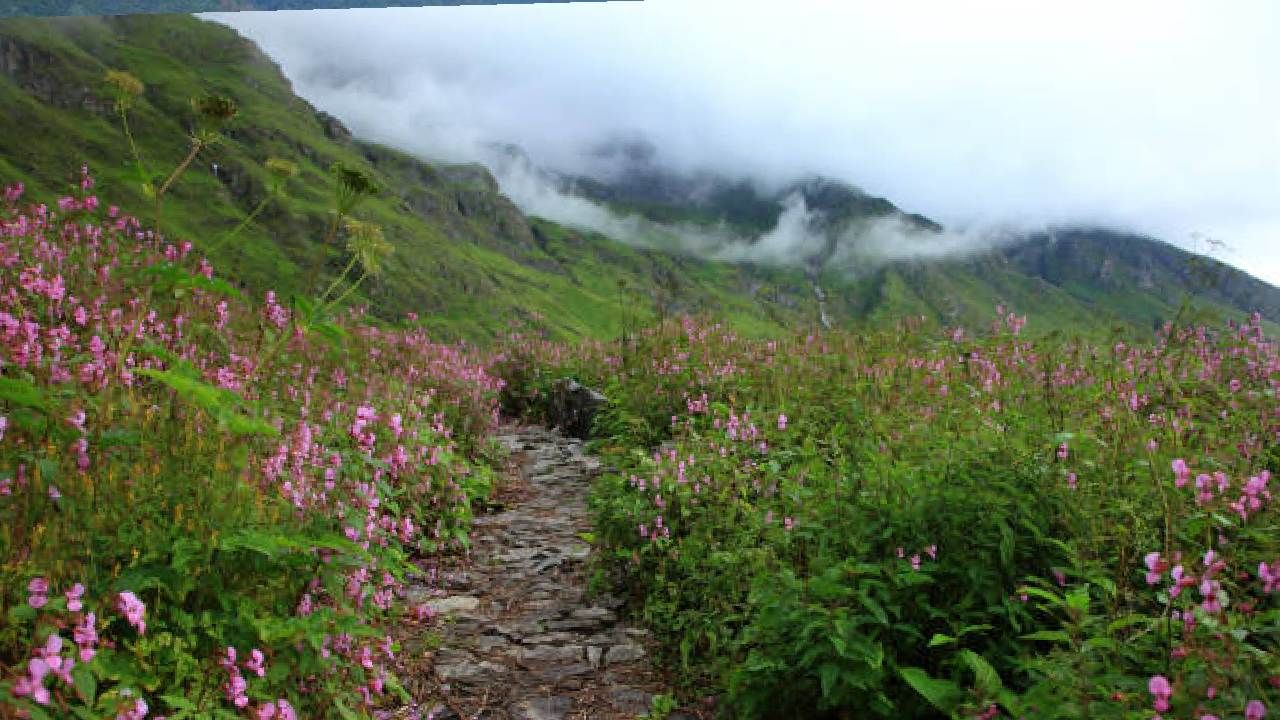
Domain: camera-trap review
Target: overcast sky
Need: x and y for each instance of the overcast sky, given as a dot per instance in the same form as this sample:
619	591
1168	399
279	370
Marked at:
1162	117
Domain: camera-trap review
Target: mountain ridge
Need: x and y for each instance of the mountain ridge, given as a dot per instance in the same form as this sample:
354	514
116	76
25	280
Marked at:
468	260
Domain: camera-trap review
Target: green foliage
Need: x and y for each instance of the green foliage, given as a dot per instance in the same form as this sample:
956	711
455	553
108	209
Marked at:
915	523
212	478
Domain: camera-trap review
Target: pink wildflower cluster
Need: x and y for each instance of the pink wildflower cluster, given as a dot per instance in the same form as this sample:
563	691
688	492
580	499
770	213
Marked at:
133	609
275	710
48	662
931	551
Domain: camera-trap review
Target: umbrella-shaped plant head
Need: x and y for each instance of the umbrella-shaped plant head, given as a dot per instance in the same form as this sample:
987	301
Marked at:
125	87
367	245
354	185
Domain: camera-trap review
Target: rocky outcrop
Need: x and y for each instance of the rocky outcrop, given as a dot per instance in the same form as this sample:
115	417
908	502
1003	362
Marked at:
519	638
333	127
572	407
40	73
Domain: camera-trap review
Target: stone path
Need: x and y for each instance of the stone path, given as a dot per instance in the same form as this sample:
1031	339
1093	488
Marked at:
519	638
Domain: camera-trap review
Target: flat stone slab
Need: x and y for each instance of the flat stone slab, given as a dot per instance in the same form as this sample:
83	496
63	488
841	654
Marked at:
457	603
533	656
550	708
621	654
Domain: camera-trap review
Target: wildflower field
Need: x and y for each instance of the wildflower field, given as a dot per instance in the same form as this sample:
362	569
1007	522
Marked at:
208	504
211	503
934	522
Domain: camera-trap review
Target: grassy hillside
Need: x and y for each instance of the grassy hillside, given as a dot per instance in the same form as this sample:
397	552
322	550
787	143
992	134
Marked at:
1085	279
466	260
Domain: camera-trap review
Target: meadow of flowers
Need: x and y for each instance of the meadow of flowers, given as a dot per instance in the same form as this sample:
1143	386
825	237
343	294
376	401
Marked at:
209	503
936	522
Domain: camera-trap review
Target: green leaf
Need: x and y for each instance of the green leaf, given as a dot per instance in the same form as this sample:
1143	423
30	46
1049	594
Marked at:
86	684
942	694
167	277
828	675
1044	595
1078	598
940	639
275	544
330	331
34	712
1128	621
23	393
985	676
178	701
22	613
48	469
1048	636
220	403
344	711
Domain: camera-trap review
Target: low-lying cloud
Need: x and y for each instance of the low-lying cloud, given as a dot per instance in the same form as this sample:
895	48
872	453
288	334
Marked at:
802	237
1161	116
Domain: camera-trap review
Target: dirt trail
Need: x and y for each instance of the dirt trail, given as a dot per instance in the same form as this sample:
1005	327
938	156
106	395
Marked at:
520	640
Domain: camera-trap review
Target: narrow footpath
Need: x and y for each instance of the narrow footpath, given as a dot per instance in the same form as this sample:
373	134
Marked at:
518	637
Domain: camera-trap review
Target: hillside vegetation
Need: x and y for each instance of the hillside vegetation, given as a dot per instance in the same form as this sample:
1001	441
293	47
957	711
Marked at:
972	523
467	260
235	425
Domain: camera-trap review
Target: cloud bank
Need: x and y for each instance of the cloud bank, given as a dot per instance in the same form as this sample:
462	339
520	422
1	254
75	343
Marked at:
1162	117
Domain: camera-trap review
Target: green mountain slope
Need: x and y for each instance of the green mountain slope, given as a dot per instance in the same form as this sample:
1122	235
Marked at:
1081	279
469	262
466	259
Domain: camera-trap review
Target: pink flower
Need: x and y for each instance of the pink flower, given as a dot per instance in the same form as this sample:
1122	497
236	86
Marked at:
136	711
133	609
235	689
86	636
1063	452
39	593
782	421
1160	691
1182	474
1255	710
255	663
73	597
1270	578
1155	566
915	561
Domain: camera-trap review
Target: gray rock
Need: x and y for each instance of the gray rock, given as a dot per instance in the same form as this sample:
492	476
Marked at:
619	654
472	672
631	700
530	656
567	676
572	407
574	624
594	655
457	603
593	613
555	707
